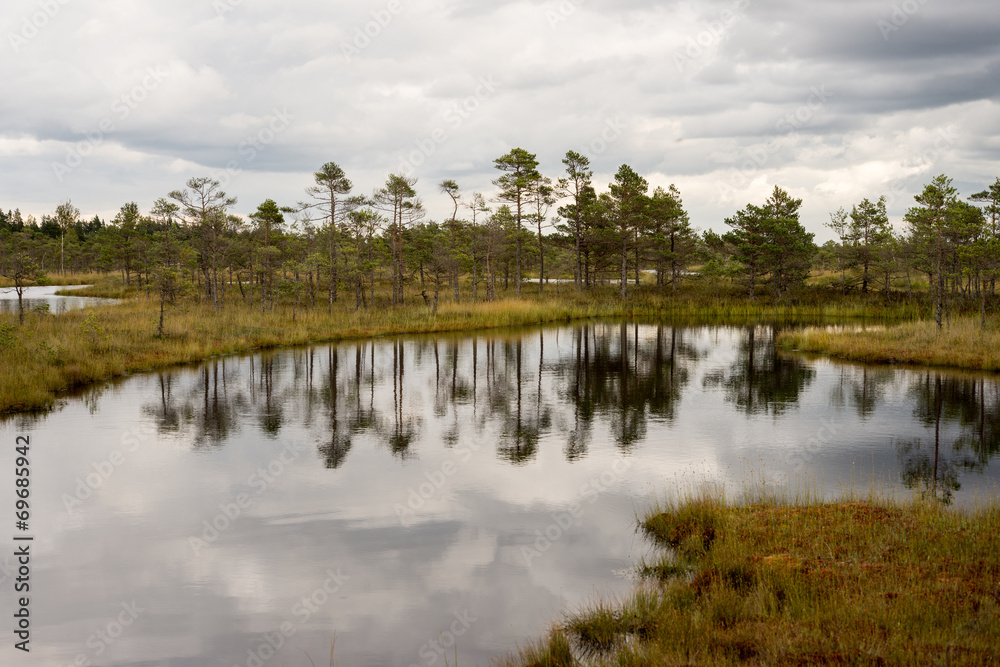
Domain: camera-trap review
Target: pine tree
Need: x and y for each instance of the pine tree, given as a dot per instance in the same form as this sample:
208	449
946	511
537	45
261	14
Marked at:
331	194
576	185
628	214
929	223
672	240
519	180
791	247
399	201
769	241
869	231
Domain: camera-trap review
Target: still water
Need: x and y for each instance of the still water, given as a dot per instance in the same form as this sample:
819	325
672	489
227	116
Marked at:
397	495
45	298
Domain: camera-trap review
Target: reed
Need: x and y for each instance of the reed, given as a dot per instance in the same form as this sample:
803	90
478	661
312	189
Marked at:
553	651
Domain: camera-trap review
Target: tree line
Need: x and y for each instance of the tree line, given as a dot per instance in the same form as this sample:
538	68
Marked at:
340	245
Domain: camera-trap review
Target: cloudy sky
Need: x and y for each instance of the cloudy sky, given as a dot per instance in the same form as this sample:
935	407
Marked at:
108	101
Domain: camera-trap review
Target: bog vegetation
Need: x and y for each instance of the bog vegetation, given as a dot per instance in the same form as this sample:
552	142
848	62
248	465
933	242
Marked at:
856	582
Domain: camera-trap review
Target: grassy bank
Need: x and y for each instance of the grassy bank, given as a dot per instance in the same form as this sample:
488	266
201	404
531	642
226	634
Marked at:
64	279
50	354
100	286
961	344
861	582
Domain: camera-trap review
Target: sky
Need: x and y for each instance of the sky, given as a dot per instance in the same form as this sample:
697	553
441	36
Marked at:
109	101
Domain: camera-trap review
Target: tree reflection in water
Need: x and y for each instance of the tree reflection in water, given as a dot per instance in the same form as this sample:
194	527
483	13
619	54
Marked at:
335	450
942	401
271	417
404	424
215	417
862	387
523	425
561	385
165	412
761	380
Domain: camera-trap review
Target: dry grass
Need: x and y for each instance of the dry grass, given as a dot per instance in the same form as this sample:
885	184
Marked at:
854	582
68	279
962	344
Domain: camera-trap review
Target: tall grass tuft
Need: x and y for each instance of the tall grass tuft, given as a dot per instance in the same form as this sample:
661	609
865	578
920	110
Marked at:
553	651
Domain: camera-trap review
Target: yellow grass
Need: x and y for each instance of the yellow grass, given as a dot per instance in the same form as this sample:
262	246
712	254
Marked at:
961	344
68	279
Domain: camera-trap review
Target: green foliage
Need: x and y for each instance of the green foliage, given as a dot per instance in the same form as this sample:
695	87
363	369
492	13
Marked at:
869	233
92	329
53	354
519	180
669	240
342	242
627	207
8	335
771	244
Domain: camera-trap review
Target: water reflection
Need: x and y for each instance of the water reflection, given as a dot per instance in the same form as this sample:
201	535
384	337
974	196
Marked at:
427	467
621	376
864	391
762	380
933	466
45	299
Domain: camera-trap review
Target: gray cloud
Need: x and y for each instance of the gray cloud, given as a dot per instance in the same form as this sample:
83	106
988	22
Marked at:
695	85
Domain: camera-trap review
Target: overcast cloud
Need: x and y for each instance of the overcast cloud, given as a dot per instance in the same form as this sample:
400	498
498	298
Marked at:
106	101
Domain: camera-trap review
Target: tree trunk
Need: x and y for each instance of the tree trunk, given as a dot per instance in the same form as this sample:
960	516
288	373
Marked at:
518	274
982	308
541	258
159	329
475	270
578	274
623	282
939	308
454	256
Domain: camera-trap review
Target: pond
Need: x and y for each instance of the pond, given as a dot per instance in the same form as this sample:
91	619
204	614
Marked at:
403	495
45	298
